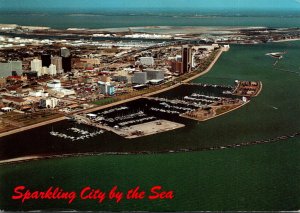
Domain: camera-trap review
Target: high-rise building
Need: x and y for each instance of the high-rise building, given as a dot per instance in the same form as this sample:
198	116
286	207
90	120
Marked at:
193	60
66	64
155	74
66	59
6	69
176	67
139	78
65	52
52	69
36	65
57	61
186	59
16	66
46	60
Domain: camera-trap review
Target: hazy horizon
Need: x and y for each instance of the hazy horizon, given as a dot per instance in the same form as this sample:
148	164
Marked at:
149	5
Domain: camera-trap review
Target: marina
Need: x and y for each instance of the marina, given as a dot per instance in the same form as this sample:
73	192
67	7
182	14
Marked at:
160	114
80	134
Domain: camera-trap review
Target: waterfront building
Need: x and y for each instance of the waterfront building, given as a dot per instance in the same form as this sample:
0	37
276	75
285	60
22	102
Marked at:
147	61
178	58
139	78
46	60
36	65
193	60
57	61
186	59
155	74
176	67
106	88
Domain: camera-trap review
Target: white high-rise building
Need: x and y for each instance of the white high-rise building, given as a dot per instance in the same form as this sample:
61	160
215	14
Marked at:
193	60
36	65
57	61
45	71
52	69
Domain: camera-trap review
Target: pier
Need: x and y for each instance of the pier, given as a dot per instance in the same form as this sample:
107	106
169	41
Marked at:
129	131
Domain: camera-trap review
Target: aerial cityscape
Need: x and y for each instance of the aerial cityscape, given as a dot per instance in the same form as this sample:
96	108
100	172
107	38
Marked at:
155	93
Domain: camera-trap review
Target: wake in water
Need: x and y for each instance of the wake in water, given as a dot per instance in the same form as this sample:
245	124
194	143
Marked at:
283	69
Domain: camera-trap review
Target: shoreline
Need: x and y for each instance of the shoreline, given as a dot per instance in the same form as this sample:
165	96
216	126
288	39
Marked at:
118	102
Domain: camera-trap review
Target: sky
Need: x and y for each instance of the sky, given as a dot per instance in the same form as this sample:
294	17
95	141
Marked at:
40	5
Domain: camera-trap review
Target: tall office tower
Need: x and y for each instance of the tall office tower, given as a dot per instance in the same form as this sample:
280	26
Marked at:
57	61
16	66
65	52
46	60
186	59
6	69
36	65
52	69
66	59
66	64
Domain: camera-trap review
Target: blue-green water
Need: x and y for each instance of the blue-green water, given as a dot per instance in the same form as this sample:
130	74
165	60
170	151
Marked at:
258	177
135	19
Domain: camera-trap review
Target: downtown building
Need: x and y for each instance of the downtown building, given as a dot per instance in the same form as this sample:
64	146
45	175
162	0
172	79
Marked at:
146	61
57	61
66	59
11	68
46	60
186	65
36	66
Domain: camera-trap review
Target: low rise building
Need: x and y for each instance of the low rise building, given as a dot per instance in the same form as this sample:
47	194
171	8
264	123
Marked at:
54	84
146	61
49	102
106	88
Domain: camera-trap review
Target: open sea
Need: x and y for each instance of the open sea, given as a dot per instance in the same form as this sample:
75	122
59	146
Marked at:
63	20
